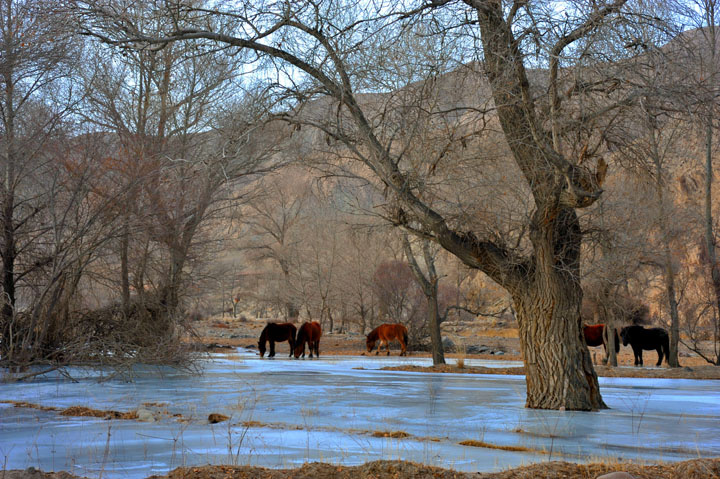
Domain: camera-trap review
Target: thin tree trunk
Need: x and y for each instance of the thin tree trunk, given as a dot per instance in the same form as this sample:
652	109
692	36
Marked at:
610	328
710	236
669	271
674	317
429	286
9	246
124	267
8	274
438	352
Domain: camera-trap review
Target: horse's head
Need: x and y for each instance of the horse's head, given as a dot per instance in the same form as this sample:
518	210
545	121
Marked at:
625	335
299	349
370	343
261	348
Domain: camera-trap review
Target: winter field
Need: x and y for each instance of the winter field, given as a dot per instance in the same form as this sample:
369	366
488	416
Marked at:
342	410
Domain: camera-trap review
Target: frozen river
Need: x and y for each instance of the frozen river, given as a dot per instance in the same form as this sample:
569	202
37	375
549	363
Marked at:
286	412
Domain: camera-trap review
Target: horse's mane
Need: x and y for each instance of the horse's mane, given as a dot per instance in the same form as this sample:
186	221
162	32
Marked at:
374	334
265	332
302	332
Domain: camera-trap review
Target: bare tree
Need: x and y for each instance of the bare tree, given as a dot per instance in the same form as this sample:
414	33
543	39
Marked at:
272	220
700	46
428	282
36	60
316	49
363	251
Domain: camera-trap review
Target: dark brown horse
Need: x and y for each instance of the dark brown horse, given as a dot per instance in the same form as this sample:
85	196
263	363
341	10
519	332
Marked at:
648	339
386	333
277	332
595	336
308	333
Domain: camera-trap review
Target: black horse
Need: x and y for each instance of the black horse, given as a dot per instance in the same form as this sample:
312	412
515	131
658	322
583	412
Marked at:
648	339
277	332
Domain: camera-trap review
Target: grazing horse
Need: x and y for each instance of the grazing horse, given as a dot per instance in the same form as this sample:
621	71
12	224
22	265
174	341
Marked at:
595	336
386	333
277	332
308	333
648	339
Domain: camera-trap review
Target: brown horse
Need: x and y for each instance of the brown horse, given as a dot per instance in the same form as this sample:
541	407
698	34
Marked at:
277	332
386	333
308	333
595	336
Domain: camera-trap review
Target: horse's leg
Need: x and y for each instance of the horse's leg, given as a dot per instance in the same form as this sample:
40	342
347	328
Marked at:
607	356
317	348
272	349
380	342
638	356
291	342
387	347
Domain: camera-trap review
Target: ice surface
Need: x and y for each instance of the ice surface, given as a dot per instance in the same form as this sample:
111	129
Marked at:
285	412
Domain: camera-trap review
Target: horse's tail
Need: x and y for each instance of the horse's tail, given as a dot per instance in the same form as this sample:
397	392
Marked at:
405	335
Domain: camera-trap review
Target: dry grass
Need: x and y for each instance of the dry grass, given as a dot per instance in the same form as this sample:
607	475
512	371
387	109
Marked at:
487	445
30	405
501	333
215	418
694	469
82	411
393	434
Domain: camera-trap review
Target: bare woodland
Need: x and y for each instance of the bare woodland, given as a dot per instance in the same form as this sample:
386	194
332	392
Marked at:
358	163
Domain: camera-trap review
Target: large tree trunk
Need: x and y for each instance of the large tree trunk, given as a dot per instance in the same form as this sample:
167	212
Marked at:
558	367
559	373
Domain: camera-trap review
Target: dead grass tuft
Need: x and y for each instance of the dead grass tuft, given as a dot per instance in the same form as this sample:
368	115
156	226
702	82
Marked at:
254	424
474	443
393	434
30	405
215	418
694	469
82	411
